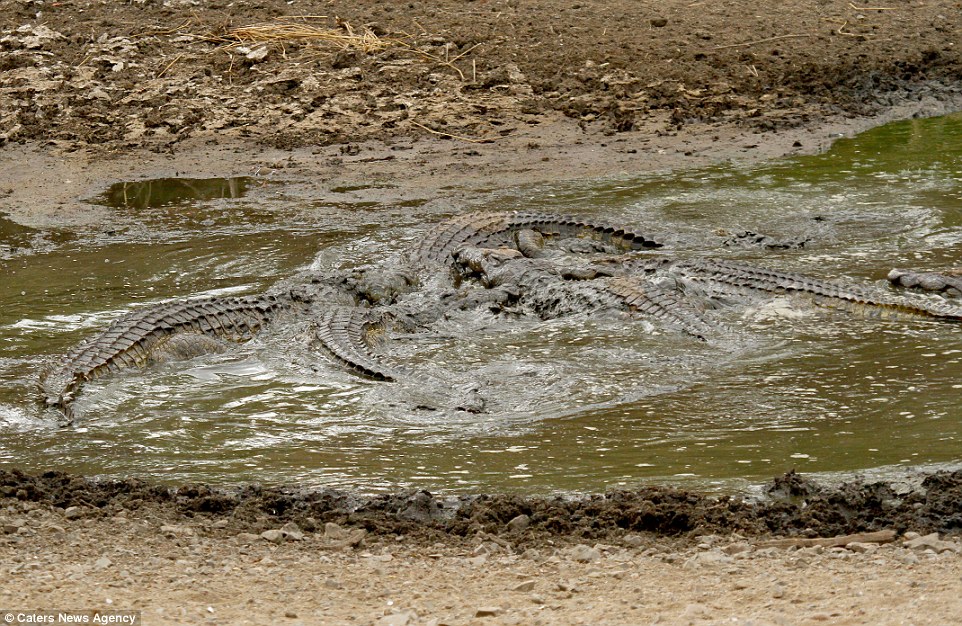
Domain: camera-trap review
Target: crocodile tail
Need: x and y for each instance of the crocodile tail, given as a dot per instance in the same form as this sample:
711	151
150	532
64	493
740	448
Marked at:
568	226
661	303
348	333
139	337
823	292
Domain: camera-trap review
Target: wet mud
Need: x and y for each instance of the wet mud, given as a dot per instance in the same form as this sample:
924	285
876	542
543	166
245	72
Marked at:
792	505
457	88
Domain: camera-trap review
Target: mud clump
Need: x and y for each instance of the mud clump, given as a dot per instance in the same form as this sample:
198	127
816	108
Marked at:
795	506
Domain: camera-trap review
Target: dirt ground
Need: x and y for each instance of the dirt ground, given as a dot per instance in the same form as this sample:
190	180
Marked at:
448	98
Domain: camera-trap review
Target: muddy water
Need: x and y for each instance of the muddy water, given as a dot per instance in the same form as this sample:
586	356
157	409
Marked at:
581	404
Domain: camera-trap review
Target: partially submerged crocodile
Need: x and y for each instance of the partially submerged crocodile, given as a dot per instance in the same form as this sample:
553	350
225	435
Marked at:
344	322
171	330
499	261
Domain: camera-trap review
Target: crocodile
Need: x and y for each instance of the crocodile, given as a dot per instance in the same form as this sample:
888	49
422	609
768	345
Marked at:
726	280
505	254
436	247
493	230
551	290
171	330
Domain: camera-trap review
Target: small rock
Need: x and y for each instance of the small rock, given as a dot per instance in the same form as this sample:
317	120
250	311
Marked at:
487	611
258	54
290	614
246	538
862	548
635	541
175	530
397	619
658	22
73	512
334	531
736	548
696	611
102	563
292	531
422	508
273	536
524	586
584	554
931	542
519	523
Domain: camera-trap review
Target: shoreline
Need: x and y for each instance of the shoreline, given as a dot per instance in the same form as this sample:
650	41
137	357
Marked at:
48	186
95	94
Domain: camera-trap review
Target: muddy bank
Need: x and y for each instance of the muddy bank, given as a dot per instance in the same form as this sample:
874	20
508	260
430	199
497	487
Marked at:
442	99
793	505
293	74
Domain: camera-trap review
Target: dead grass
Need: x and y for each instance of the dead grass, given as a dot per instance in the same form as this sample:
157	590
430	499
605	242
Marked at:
300	29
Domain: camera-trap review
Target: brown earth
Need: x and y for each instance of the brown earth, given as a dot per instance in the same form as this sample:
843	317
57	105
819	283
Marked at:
149	73
448	98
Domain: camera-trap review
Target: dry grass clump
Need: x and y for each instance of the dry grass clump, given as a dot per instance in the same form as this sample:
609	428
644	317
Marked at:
299	29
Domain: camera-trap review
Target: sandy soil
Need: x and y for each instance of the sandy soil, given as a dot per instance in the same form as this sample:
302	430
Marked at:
446	98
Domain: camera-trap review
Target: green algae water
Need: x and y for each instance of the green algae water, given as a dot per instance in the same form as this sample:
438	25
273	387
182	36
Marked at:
580	404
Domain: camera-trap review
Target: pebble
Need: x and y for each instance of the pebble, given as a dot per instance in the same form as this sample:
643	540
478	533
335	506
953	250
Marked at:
273	535
397	619
175	530
487	611
584	554
73	512
519	523
524	586
334	531
736	548
930	542
246	537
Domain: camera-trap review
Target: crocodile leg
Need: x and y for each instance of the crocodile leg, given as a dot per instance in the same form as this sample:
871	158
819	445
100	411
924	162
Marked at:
159	332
